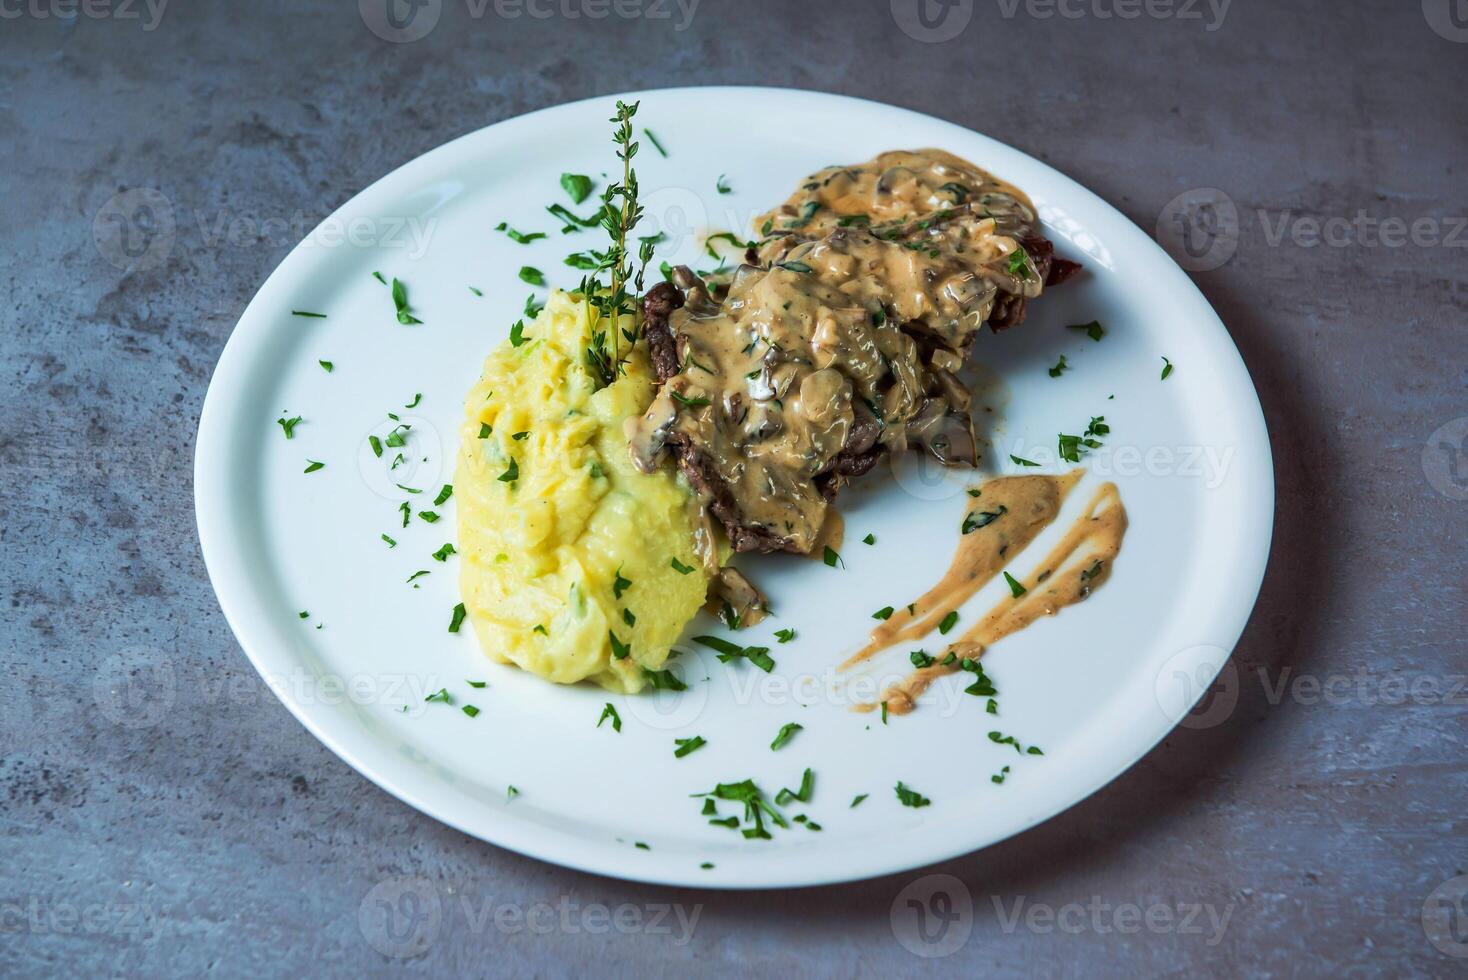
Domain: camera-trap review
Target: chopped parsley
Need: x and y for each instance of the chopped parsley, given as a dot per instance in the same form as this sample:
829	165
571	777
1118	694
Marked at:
476	290
327	366
620	584
869	539
785	635
1060	367
620	650
519	237
1015	589
948	622
288	426
1166	368
390	542
532	275
884	613
577	186
441	696
314	466
663	680
610	711
511	792
687	402
1094	330
655	142
517	333
477	684
443	553
983	518
832	558
400	301
458	618
428	516
722	185
759	656
444	494
1020	461
317	316
679	567
920	659
470	710
807	784
998	777
1019	264
756	809
910	797
512	473
787	732
376	445
857	801
687	745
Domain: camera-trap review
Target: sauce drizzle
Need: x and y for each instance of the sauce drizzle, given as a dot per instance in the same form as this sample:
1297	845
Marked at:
1078	565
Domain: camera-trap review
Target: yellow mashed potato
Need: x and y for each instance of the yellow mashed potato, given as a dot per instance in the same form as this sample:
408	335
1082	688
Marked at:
567	550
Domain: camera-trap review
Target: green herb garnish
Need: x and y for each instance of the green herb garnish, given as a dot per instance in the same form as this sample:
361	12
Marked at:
400	302
315	316
288	426
610	711
458	618
532	275
947	623
787	732
578	186
314	466
687	745
679	567
911	797
519	237
1094	330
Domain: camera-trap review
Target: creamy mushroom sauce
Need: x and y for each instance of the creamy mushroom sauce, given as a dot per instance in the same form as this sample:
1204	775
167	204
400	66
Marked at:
1011	512
873	282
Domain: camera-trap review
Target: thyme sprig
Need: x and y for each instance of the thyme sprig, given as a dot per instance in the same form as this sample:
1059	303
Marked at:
608	301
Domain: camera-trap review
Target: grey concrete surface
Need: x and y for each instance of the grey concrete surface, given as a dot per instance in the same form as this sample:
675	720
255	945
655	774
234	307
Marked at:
1322	830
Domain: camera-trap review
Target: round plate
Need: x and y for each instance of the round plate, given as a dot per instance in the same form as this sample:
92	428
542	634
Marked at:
323	606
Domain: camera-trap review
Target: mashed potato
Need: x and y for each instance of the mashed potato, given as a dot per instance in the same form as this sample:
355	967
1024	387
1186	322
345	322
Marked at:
570	557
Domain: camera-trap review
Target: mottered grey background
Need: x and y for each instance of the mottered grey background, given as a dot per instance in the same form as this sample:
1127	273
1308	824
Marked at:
160	812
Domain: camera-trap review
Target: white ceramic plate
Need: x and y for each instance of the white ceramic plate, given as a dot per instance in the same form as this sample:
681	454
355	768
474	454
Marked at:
1096	687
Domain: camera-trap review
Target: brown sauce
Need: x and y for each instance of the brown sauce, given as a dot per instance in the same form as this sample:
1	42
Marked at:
1078	565
873	283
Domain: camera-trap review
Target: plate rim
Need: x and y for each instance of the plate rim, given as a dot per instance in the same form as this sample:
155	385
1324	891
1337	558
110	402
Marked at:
223	568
